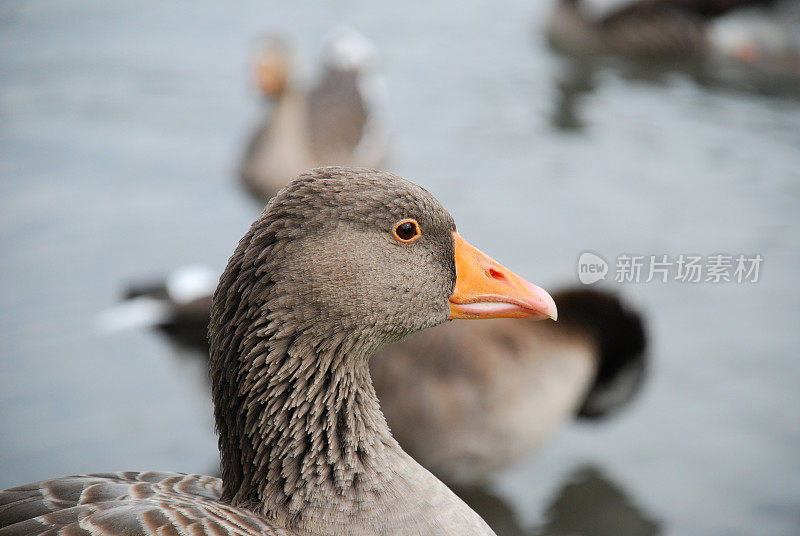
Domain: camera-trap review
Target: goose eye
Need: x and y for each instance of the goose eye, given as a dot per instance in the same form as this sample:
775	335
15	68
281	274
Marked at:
406	231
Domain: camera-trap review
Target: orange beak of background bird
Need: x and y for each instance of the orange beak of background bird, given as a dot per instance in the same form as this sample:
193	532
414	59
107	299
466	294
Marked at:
487	289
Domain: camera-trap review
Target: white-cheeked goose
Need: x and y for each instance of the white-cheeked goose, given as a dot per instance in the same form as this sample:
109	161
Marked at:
341	262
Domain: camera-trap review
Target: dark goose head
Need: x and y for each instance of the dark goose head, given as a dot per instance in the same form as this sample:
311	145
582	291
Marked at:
341	262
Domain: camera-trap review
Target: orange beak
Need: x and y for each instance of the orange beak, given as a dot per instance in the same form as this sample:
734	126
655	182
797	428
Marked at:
270	83
487	289
271	71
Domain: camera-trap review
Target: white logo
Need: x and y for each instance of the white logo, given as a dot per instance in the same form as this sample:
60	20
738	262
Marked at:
591	268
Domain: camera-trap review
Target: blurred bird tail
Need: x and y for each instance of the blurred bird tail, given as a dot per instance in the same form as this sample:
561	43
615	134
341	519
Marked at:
133	313
152	305
621	339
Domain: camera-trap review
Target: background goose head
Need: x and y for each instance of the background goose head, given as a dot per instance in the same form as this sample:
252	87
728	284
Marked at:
272	67
338	121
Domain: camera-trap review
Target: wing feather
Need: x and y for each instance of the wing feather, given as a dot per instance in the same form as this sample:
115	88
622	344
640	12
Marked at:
127	504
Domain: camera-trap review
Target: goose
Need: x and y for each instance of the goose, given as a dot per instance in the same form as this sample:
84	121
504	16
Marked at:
641	29
337	122
341	262
450	392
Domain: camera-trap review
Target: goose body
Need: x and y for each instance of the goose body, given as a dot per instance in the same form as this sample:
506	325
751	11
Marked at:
642	29
468	400
337	122
341	262
128	504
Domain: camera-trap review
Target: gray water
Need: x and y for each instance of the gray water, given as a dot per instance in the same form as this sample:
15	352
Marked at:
120	128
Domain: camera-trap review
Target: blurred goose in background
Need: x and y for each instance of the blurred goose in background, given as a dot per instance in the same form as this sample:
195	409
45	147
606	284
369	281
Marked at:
640	29
769	42
465	400
338	122
180	306
743	45
305	449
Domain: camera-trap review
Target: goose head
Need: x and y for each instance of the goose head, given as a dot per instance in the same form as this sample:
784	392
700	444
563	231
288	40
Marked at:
271	67
341	262
369	253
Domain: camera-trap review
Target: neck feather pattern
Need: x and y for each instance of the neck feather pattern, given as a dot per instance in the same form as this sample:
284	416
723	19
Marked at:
304	427
301	433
